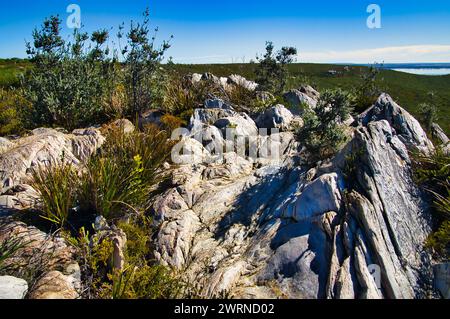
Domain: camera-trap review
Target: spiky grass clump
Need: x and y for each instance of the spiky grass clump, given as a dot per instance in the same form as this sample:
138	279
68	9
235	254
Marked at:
57	186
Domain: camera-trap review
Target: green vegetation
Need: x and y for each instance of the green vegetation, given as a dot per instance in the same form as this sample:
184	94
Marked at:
11	105
79	82
322	133
409	90
121	176
433	174
271	73
429	112
115	181
67	87
8	249
57	188
368	90
143	80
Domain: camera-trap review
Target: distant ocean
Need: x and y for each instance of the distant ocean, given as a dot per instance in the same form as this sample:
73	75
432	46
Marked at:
443	71
420	68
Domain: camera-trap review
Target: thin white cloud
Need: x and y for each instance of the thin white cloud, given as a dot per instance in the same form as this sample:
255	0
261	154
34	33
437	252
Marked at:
397	54
202	59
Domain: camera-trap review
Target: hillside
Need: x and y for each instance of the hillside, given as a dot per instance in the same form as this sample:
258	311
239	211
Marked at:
409	90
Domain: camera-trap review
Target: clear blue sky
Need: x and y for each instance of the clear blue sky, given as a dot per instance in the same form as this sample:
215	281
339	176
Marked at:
222	31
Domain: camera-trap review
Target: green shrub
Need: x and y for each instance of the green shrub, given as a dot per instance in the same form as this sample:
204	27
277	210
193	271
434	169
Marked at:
322	133
11	104
429	113
143	77
70	80
124	172
182	96
432	172
79	82
439	241
8	249
271	73
57	187
368	91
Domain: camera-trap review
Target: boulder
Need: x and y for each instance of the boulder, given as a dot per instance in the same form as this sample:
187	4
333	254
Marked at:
299	102
150	117
238	125
189	151
405	125
204	117
54	285
37	251
5	144
196	77
310	91
19	197
438	133
12	288
442	279
217	104
123	124
46	147
277	117
241	81
319	197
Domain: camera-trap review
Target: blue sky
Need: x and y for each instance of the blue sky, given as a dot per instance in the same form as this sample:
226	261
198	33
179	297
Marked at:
225	31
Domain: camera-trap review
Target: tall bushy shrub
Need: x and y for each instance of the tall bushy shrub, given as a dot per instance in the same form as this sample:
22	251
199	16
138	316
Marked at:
271	73
68	84
142	57
83	81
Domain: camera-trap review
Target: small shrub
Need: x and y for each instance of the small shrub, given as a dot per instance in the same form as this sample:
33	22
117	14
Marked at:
11	104
121	176
272	73
369	89
322	133
432	172
171	122
429	112
182	96
57	187
94	258
439	241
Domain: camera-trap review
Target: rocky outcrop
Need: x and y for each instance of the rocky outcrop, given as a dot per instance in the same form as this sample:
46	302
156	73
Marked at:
45	147
49	259
55	285
405	125
439	134
280	230
255	222
241	81
442	279
12	288
277	117
301	99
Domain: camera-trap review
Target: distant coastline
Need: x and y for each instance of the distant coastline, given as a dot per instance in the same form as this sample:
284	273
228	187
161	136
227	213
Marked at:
417	68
